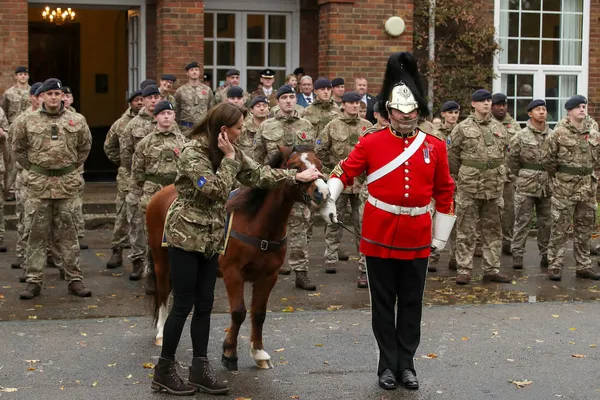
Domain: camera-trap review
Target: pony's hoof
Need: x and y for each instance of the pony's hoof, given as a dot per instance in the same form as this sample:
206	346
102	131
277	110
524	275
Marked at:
158	342
230	363
264	364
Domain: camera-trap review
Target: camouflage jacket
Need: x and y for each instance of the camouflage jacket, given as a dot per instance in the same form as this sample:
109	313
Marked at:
572	157
476	157
443	132
337	140
524	159
512	128
246	141
221	95
167	96
320	114
112	147
15	101
193	102
137	129
154	159
299	109
281	130
11	134
593	124
272	98
52	141
196	220
3	121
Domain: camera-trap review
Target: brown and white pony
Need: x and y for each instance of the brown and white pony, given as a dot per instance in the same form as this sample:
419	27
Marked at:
255	249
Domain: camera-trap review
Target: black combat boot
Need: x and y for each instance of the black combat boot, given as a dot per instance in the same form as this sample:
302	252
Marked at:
138	270
330	268
343	256
544	261
32	290
203	377
167	379
83	246
304	282
517	262
452	264
506	249
116	260
78	289
2	249
432	265
17	264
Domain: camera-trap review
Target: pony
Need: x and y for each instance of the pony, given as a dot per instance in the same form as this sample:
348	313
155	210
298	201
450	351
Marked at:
255	248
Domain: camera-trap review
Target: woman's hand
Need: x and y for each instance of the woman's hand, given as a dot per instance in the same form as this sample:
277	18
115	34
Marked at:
226	146
308	175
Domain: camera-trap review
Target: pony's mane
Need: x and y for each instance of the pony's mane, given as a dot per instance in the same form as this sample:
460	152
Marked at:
249	200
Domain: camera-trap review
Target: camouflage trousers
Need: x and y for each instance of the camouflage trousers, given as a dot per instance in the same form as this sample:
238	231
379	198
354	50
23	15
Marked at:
53	219
11	173
2	229
334	232
523	215
299	228
22	229
582	215
79	220
120	236
508	213
137	232
469	213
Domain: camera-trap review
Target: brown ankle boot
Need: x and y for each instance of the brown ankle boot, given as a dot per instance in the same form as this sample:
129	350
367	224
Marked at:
138	269
304	282
116	260
203	377
167	379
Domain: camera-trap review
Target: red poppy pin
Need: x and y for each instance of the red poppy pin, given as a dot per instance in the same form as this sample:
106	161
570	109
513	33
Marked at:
71	122
303	135
508	126
364	128
177	151
204	92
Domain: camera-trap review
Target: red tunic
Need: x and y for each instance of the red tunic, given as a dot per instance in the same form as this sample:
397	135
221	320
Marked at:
413	184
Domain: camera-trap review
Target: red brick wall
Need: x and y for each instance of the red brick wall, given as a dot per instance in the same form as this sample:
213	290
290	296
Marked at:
309	37
13	40
352	39
150	42
594	70
179	36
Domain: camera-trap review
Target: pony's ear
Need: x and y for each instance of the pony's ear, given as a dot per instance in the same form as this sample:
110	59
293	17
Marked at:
286	152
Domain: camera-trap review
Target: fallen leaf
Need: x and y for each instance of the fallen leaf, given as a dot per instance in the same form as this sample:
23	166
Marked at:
117	274
555	315
95	384
465	338
295	397
148	365
111	365
243	398
32	361
515	318
577	355
314	294
8	390
288	309
226	330
32	317
333	308
521	384
319	345
593	346
284	299
571	342
90	307
510	360
39	306
539	341
430	355
1	296
129	376
30	369
280	350
572	329
61	388
83	334
6	287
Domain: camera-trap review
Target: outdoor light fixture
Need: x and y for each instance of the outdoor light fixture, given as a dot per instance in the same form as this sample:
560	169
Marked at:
58	16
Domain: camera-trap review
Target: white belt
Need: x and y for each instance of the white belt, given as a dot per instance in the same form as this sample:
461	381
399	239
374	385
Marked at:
399	210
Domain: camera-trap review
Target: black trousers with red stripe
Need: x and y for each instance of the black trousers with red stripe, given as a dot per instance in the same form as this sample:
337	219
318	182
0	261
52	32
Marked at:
398	333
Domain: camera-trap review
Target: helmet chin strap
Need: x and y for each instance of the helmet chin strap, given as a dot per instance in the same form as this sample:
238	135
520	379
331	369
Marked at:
402	126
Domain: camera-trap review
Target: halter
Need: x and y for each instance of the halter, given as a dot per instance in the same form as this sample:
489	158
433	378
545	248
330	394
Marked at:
305	196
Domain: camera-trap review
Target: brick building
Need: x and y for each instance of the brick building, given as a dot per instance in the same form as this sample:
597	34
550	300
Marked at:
551	48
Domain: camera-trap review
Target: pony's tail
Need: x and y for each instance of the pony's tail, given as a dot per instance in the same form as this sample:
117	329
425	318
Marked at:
162	283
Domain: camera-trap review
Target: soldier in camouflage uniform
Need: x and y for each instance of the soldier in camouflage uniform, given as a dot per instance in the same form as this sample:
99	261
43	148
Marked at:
450	112
112	149
232	78
499	111
235	96
267	78
154	167
571	156
476	149
333	145
532	187
287	129
259	109
167	81
193	100
4	155
51	144
323	110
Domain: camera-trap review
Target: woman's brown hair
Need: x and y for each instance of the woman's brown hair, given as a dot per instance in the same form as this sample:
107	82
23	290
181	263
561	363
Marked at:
224	114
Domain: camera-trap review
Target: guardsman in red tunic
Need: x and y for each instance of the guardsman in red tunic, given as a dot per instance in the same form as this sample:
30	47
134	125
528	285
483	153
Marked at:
406	168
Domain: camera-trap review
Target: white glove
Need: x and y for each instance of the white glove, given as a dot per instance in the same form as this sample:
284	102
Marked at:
442	226
329	211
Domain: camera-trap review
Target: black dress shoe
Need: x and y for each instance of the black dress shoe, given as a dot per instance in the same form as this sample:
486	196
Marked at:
409	379
387	380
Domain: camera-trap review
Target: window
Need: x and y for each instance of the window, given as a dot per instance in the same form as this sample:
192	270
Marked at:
544	46
133	21
250	42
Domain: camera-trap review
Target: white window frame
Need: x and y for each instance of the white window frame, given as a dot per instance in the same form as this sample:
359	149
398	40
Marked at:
290	8
539	71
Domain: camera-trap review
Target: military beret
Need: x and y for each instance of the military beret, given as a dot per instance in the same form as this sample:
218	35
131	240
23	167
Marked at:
351	96
322	83
20	69
150	90
298	70
193	64
34	88
481	95
536	103
67	90
267	73
232	72
162	106
499	98
169	77
133	95
207	77
258	99
337	82
50	84
285	89
147	82
575	101
235	91
450	105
